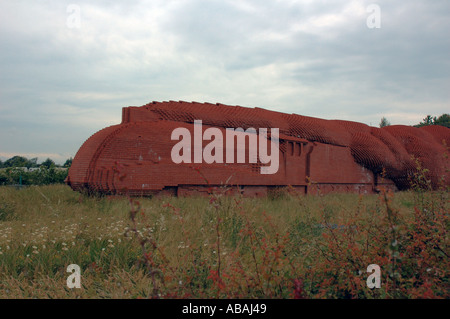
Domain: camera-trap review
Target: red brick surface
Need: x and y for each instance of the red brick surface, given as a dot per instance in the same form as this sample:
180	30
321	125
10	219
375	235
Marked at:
315	155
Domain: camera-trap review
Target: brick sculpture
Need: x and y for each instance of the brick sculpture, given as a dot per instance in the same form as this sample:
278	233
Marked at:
134	157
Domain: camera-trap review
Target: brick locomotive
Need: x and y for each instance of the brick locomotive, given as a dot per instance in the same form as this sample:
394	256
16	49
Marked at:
315	155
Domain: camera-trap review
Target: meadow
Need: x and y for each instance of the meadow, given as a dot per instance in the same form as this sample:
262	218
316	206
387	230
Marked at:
282	246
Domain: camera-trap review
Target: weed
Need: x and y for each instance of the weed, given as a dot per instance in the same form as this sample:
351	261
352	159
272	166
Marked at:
6	211
293	246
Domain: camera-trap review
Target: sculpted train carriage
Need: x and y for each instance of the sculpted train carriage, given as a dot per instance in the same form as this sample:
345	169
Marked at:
183	148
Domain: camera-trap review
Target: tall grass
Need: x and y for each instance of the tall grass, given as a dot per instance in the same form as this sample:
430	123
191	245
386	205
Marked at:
223	246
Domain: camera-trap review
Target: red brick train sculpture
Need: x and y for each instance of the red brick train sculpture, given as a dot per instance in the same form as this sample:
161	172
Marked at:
134	157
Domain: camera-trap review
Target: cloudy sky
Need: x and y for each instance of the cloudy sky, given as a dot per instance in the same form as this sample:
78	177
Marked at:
68	67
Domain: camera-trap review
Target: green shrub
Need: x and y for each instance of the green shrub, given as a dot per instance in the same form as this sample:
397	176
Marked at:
6	212
41	176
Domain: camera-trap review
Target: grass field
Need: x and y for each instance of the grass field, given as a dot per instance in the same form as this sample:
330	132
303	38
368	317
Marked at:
222	246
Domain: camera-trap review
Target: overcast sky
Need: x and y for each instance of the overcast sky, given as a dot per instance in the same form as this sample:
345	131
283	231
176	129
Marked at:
68	67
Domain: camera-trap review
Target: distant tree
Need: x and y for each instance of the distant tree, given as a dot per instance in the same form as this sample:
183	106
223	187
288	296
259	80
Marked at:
443	120
48	163
384	122
17	161
1	164
33	162
428	120
42	176
68	163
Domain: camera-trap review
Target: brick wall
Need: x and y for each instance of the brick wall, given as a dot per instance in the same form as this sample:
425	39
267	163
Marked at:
314	155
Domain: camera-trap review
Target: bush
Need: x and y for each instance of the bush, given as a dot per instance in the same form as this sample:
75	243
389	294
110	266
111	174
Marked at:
6	212
410	249
41	176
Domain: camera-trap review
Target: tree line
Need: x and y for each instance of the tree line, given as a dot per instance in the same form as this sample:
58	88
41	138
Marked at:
20	161
443	120
19	170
